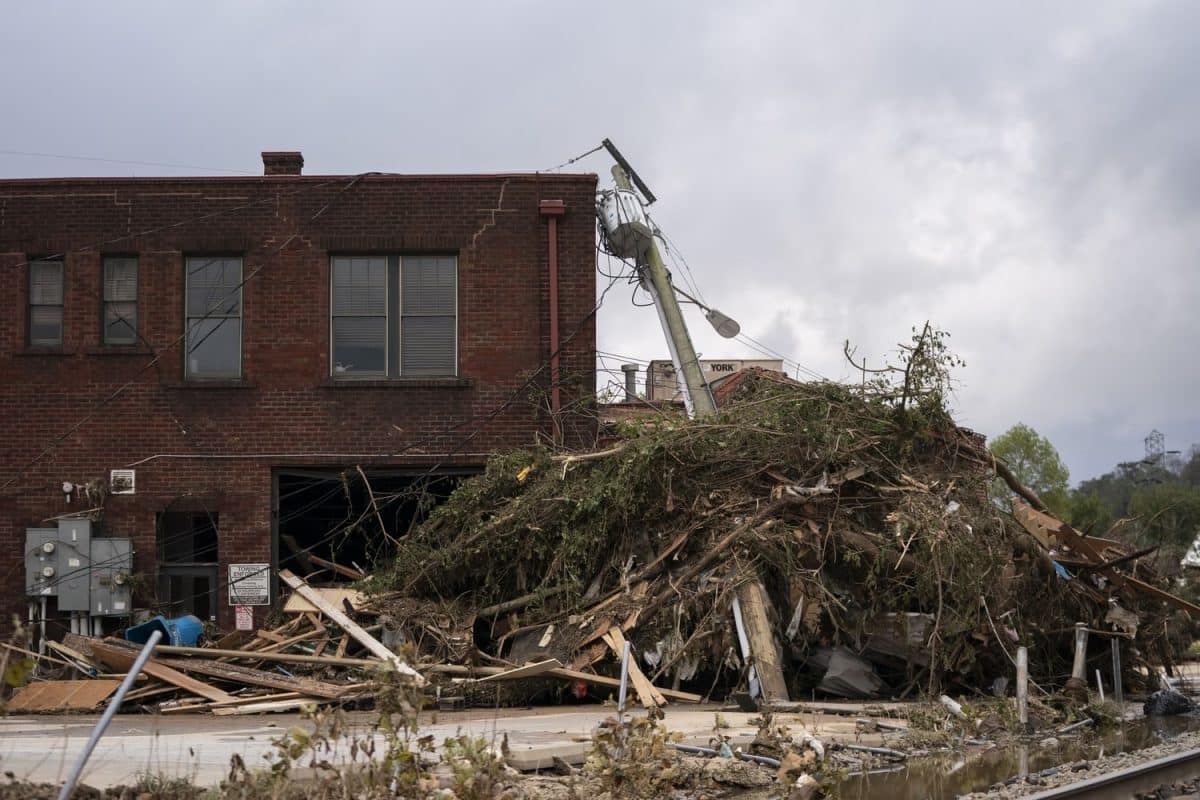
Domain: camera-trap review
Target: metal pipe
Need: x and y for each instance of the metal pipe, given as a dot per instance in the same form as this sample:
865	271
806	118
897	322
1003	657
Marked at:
109	713
42	640
708	751
624	690
631	373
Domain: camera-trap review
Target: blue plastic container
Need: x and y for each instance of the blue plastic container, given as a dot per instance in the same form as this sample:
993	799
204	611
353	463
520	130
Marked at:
182	631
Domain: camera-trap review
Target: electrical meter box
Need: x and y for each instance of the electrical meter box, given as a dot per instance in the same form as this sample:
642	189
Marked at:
41	562
74	564
112	564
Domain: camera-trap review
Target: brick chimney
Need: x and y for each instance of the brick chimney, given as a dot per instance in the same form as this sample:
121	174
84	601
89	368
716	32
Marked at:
282	162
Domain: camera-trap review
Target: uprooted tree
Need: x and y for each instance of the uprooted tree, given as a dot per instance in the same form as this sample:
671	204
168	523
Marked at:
863	511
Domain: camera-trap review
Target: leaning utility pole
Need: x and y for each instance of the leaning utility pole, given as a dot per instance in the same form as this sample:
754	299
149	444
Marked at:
654	278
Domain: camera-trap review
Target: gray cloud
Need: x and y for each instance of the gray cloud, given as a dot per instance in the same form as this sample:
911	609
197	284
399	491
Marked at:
1024	177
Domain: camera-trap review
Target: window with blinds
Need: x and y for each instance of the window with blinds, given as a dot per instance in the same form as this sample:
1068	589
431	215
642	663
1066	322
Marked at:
214	317
46	303
393	316
359	309
120	301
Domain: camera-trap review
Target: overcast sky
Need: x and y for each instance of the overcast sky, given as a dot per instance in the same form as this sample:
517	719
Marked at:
1025	179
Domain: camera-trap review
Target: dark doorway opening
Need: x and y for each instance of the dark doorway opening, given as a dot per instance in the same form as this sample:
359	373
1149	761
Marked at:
186	550
332	524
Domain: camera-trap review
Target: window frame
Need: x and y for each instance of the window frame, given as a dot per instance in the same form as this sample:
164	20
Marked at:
237	375
387	321
105	302
61	305
394	319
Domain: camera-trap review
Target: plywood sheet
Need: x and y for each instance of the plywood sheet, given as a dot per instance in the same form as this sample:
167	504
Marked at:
83	695
296	604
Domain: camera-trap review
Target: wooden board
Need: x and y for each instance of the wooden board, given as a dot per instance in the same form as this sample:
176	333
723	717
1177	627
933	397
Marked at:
84	695
121	658
764	650
236	673
527	671
268	706
565	674
298	604
373	645
647	694
161	668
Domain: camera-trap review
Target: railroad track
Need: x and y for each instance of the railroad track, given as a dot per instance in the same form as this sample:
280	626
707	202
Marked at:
1125	782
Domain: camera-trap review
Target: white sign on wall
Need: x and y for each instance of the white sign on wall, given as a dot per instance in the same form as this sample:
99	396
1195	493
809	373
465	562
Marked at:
244	617
249	584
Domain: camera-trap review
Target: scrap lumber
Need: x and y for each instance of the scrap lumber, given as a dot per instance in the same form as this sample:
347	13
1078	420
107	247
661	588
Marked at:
122	658
336	595
295	658
527	671
268	706
373	645
565	674
236	673
768	663
647	694
340	569
233	673
80	695
81	662
1050	532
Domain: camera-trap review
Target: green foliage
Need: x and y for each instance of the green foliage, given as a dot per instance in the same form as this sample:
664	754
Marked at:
1036	464
1167	514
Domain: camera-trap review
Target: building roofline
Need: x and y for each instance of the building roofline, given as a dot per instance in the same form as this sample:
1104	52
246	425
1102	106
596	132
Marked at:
555	177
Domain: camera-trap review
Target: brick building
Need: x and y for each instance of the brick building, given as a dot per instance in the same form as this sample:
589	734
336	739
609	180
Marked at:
278	359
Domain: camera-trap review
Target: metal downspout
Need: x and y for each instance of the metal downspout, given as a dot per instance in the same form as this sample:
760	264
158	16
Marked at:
552	210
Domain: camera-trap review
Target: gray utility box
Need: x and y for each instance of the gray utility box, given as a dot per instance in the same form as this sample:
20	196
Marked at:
41	562
74	564
112	563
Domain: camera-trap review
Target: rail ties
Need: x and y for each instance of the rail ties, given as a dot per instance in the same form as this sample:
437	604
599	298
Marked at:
1125	783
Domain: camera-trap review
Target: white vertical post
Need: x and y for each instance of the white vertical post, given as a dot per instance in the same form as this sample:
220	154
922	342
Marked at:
1079	667
1118	689
1023	688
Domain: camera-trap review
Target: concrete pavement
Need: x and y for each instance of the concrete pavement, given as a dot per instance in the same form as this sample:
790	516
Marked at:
199	747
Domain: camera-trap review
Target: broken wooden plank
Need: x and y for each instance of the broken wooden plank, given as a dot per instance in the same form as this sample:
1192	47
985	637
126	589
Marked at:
233	673
236	673
373	645
81	695
565	674
648	696
267	707
340	569
122	658
81	661
300	637
1046	529
295	658
527	671
768	663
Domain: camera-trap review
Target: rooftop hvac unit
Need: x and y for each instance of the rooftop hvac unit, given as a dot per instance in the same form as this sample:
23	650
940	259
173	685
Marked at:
121	481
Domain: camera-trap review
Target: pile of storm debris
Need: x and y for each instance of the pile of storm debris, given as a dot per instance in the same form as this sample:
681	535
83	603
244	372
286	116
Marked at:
811	538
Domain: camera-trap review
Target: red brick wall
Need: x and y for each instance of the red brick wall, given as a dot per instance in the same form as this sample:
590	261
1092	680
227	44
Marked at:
286	410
